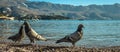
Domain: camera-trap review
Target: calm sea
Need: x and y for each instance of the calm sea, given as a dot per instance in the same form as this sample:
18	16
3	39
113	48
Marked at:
97	33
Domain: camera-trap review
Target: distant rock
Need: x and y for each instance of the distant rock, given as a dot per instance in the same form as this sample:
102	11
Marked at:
5	11
15	8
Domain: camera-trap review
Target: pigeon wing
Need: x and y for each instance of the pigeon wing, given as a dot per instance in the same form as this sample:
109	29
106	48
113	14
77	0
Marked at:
33	34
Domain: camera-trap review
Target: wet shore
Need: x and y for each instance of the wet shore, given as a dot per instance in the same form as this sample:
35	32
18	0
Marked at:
20	47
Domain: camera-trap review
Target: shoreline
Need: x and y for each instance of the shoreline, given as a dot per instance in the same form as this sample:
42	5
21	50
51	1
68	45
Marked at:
15	47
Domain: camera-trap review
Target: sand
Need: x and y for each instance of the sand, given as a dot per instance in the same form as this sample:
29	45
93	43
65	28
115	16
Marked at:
20	47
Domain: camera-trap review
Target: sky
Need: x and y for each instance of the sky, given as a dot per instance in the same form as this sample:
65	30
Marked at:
81	2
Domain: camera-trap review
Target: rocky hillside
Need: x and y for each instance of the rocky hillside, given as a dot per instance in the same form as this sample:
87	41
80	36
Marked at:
90	12
23	8
16	8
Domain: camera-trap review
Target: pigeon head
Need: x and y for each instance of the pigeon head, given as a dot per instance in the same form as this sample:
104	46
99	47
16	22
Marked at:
27	26
80	26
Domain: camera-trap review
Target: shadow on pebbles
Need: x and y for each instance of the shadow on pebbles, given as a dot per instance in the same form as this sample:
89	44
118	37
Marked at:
15	47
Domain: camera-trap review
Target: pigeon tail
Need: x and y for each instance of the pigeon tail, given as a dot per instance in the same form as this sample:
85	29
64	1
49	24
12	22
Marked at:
58	41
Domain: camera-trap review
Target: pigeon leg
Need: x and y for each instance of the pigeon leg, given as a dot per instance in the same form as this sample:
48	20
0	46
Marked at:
73	44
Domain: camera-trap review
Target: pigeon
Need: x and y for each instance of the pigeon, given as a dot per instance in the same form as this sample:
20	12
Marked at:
32	34
19	36
74	37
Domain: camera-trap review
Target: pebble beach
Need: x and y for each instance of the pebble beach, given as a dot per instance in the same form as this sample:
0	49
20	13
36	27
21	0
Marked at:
19	47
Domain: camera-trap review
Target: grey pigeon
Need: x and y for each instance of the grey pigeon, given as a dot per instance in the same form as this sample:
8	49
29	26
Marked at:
74	37
19	36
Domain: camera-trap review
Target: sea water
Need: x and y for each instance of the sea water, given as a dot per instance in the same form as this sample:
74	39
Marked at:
97	33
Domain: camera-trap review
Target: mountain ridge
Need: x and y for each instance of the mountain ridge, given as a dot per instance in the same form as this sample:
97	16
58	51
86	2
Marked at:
90	12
